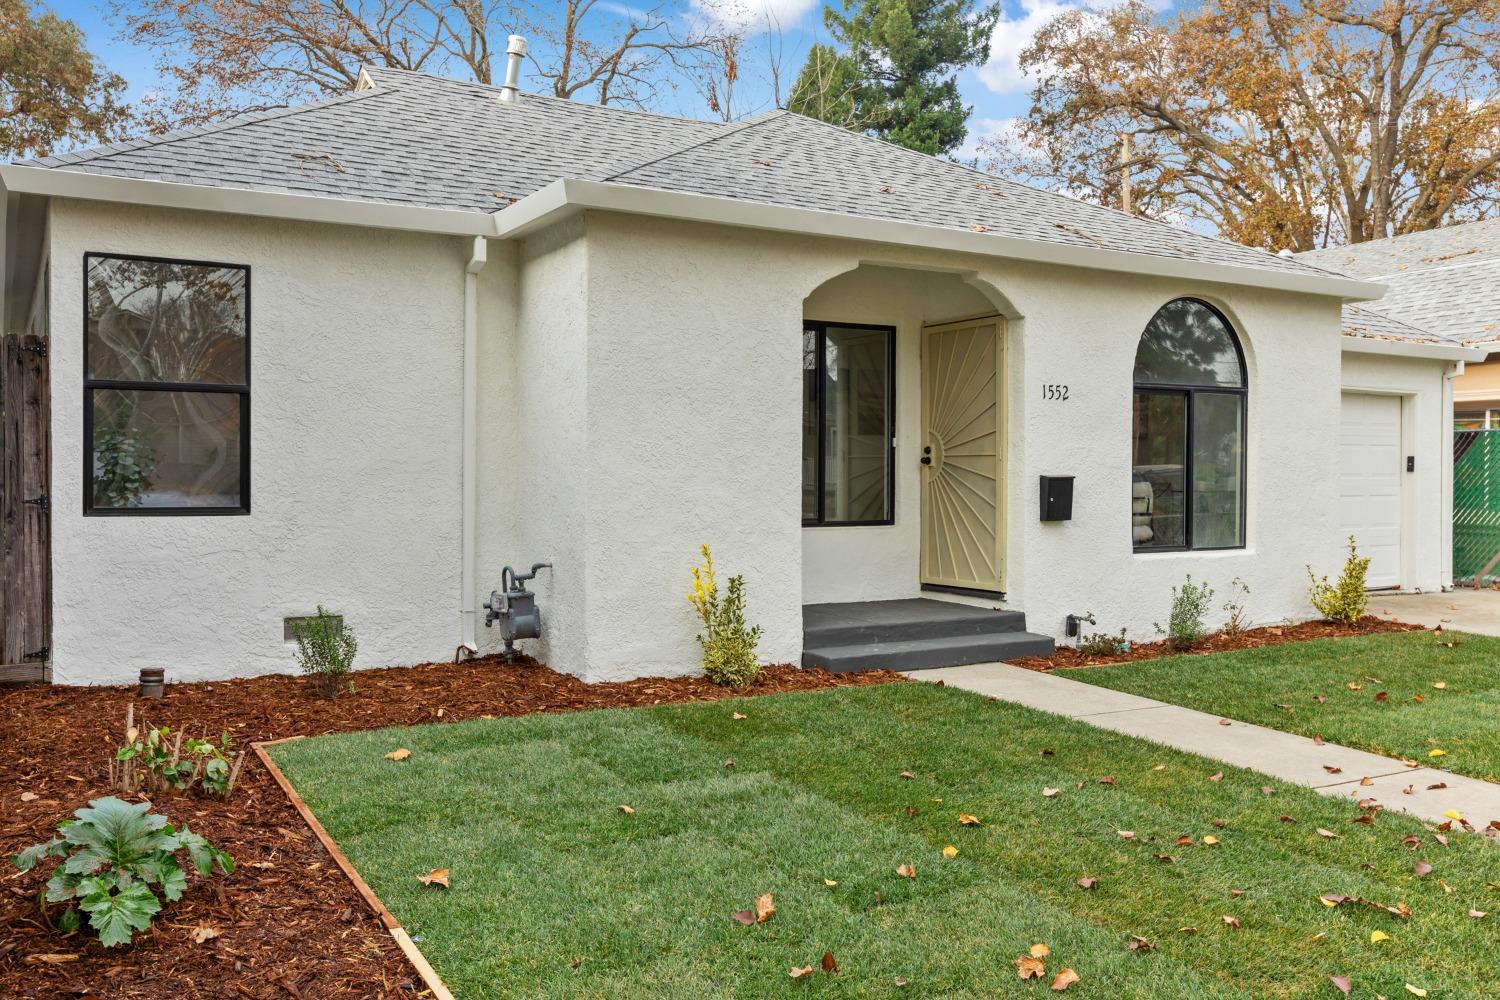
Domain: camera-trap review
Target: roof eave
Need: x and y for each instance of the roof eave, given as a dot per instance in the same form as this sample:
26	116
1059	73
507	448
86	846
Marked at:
1353	344
565	196
64	183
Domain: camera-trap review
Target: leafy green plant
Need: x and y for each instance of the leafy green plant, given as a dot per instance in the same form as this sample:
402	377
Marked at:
165	761
1103	644
123	467
325	650
728	643
1346	600
115	852
1190	604
1234	607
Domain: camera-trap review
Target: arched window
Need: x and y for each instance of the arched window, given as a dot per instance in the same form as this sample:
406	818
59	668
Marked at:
1188	439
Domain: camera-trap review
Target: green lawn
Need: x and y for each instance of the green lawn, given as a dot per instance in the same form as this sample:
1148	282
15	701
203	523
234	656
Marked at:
1279	686
557	893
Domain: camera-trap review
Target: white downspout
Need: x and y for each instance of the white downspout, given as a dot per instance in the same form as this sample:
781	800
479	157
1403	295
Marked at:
1445	452
477	260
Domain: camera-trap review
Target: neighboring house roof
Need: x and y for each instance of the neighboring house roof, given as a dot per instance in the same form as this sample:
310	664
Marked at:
418	140
1444	282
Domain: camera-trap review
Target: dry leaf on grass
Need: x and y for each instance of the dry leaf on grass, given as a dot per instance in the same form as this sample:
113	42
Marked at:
1422	868
829	963
1216	777
1087	883
1478	914
627	810
966	819
950	851
1327	833
1051	793
907	871
438	876
1232	922
1378	936
1065	978
1210	840
764	907
830	882
737	716
1138	943
800	973
1415	991
1435	752
400	753
1030	967
907	774
1125	834
1342	984
1040	950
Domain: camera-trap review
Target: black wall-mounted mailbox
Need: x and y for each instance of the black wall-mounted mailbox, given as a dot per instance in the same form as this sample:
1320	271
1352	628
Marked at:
1057	498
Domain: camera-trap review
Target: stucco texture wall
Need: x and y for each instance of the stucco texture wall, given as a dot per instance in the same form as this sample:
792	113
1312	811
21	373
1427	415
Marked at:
356	367
693	435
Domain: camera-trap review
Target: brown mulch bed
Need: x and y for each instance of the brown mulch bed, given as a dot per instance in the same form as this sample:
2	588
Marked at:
1067	658
291	925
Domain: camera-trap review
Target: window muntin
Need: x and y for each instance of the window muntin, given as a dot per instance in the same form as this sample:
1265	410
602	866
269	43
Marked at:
1188	440
166	386
848	424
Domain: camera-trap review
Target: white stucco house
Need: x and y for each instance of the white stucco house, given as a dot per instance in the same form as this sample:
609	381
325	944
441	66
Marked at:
493	329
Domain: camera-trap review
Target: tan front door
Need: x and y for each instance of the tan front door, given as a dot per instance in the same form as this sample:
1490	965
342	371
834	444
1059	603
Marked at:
963	401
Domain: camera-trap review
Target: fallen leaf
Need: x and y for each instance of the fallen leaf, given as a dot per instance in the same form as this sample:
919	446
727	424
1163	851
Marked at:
1126	834
965	819
1353	686
1326	833
1108	779
1028	967
800	973
1438	786
907	871
1382	695
438	876
1087	883
1065	978
627	810
1266	790
1422	868
1478	914
28	796
1415	991
1317	739
1231	922
1216	777
1138	943
1287	819
950	851
1333	770
1210	840
899	981
1378	936
1236	893
1366	782
1454	814
746	917
907	774
1051	793
1159	767
830	882
1040	951
737	716
203	932
1341	983
764	907
1435	752
1440	685
400	753
1187	930
911	811
728	761
829	963
1225	722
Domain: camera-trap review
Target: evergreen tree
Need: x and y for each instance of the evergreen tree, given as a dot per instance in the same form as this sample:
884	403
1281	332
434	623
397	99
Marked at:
894	73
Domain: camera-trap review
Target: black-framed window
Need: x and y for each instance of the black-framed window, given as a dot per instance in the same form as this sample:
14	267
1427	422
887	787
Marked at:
166	376
1188	432
848	424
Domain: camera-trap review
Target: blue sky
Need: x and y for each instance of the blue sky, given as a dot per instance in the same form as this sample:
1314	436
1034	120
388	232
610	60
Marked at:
996	91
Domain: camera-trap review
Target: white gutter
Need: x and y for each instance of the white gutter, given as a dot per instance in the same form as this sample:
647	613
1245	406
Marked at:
477	259
64	183
1411	349
565	196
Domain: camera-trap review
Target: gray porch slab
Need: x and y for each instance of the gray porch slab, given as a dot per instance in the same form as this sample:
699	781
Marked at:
1286	756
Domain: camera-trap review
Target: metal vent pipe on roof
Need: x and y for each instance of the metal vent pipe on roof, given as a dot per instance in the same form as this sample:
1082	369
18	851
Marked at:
515	50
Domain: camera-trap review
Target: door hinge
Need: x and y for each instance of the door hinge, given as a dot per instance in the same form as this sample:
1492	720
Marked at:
40	349
43	501
44	654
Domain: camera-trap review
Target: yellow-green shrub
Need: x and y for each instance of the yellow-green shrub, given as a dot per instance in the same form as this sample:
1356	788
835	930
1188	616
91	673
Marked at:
1346	600
728	644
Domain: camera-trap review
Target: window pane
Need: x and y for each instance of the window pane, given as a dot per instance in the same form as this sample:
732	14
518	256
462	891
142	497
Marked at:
1217	444
1187	343
809	425
166	449
857	463
150	321
1159	471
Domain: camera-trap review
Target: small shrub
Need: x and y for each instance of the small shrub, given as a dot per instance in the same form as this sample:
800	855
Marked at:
325	650
1190	604
1234	625
116	851
1103	644
728	644
164	761
1346	600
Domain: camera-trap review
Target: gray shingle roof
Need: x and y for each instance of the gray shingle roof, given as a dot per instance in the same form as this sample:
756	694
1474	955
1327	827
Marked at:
1445	282
415	139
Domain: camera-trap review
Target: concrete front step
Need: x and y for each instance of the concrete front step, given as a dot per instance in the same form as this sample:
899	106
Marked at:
927	652
865	622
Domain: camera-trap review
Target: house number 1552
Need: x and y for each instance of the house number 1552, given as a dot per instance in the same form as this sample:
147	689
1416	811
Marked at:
1051	390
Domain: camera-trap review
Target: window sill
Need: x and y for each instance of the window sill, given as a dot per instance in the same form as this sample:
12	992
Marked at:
1243	550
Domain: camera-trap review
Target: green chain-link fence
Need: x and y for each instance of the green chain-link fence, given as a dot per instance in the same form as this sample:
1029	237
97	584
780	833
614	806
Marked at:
1476	506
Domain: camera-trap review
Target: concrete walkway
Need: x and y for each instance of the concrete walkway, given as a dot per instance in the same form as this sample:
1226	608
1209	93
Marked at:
1282	755
1460	610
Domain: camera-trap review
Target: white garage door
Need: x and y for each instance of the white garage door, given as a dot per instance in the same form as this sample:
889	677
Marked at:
1370	471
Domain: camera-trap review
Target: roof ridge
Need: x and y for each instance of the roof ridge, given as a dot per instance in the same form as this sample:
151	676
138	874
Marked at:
150	141
549	98
735	129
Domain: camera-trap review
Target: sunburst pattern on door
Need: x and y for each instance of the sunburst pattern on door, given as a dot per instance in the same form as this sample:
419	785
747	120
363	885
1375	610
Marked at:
961	491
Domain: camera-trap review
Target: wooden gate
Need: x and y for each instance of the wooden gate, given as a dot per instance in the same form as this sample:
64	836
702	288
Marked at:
25	511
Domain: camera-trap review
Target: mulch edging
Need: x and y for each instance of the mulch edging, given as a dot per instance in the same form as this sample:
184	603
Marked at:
1068	658
292	925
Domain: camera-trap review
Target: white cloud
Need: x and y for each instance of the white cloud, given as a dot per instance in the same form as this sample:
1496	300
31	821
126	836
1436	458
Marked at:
985	130
1002	73
754	15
